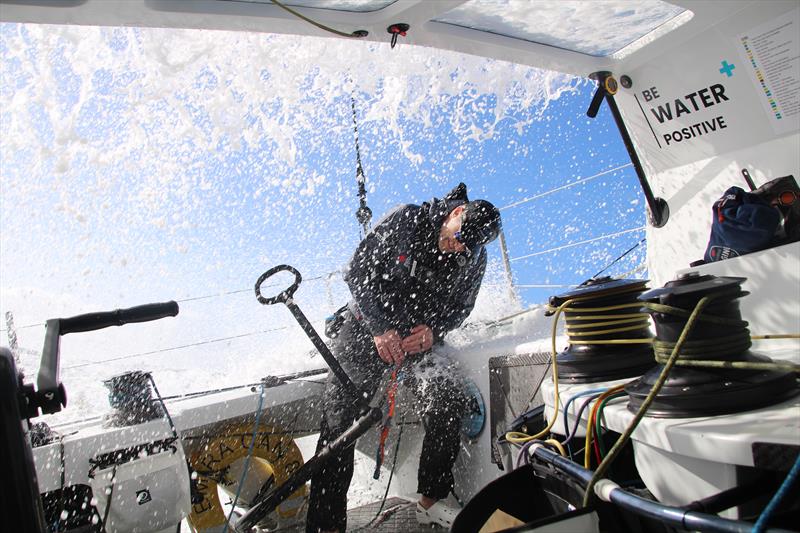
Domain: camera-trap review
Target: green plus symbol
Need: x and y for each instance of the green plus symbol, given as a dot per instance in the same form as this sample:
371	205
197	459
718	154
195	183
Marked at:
727	69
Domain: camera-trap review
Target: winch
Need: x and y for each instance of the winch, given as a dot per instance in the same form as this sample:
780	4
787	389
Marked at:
716	373
609	335
131	397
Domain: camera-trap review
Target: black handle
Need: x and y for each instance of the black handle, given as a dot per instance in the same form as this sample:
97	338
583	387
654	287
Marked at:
119	317
50	394
748	179
285	295
286	298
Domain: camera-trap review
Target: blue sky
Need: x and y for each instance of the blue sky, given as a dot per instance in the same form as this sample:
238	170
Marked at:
144	165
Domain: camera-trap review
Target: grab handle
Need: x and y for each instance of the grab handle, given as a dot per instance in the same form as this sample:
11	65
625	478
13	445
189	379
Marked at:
283	296
119	317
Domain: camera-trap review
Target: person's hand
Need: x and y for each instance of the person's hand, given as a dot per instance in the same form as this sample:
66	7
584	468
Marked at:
419	340
389	349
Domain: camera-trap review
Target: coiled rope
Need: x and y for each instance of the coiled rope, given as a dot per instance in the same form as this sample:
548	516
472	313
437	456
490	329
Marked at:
702	353
682	352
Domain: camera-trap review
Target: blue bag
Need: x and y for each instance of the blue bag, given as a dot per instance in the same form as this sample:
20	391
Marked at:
743	223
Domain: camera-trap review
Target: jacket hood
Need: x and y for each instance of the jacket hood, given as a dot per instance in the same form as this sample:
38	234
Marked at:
437	210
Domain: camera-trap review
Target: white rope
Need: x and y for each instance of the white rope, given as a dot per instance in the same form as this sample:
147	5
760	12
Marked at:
634	270
544	286
631	230
568	185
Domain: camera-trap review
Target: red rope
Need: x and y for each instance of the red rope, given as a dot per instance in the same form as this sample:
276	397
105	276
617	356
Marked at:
391	392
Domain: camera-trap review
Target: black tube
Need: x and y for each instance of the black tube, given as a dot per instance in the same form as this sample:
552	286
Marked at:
597	100
659	209
314	465
677	517
674	516
574	470
733	496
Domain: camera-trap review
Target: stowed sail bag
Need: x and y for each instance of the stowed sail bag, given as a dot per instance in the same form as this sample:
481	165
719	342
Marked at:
746	222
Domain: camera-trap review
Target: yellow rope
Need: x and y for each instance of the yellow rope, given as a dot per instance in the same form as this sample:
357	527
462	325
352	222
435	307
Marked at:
605	331
675	358
596	317
775	336
519	438
740	365
643	318
615	341
557	445
319	25
662	378
632	305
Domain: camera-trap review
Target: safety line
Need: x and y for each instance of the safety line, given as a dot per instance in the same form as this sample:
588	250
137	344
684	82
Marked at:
567	186
194	298
247	458
609	235
210	341
626	252
545	286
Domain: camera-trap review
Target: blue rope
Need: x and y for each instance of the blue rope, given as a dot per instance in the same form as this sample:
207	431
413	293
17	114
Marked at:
791	477
572	399
247	459
569	435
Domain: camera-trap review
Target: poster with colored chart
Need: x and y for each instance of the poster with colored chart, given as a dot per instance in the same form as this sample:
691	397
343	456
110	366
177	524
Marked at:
771	54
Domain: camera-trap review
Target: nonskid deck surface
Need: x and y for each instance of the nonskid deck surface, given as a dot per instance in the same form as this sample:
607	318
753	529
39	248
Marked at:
397	516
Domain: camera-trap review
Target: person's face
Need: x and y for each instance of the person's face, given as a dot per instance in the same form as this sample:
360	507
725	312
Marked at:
447	240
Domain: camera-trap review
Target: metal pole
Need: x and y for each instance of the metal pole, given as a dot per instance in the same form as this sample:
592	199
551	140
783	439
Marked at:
512	294
607	87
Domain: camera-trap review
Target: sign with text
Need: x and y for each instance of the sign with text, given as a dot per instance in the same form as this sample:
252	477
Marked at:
704	99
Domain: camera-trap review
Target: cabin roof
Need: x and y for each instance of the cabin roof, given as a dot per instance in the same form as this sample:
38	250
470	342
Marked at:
571	36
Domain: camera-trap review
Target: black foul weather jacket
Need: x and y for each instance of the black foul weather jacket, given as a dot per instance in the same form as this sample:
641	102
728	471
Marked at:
399	278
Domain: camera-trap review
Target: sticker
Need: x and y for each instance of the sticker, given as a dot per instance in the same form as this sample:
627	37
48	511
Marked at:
771	57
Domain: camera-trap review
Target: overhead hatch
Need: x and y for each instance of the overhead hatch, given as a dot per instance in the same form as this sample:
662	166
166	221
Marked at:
599	29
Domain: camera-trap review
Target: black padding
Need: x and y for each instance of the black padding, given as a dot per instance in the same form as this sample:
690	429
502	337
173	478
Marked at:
20	503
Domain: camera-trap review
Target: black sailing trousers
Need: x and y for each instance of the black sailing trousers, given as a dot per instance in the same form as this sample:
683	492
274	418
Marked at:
439	390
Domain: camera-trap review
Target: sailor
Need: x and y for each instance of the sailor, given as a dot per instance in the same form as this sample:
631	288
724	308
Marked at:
413	279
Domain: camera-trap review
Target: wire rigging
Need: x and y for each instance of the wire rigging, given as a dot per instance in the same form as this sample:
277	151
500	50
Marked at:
173	348
626	252
215	295
565	246
247	458
562	187
364	213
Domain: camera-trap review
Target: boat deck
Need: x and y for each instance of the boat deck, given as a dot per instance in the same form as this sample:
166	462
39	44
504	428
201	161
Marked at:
397	516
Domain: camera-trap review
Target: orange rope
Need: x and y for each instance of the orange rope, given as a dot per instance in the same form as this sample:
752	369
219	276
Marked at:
591	423
391	392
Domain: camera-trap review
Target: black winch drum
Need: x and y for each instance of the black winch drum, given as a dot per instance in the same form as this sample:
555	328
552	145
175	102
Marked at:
696	391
